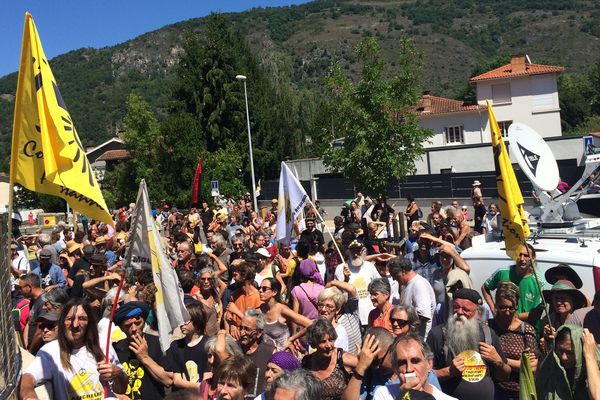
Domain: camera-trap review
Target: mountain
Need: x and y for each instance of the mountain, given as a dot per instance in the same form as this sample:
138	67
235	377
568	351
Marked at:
454	36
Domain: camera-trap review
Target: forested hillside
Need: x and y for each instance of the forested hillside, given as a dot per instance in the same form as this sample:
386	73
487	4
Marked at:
292	49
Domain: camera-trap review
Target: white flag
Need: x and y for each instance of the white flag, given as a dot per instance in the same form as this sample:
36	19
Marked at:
292	199
145	251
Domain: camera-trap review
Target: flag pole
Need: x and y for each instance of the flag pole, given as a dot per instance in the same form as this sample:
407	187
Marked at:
539	286
322	221
110	322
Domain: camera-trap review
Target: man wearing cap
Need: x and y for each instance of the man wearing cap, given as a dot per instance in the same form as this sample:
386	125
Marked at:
359	273
521	274
51	275
476	189
47	322
140	354
82	263
102	248
468	356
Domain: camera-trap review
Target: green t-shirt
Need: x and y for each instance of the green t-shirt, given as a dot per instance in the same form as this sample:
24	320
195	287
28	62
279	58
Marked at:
530	294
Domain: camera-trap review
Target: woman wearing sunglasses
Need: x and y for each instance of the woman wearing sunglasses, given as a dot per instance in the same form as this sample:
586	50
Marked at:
404	319
277	315
210	293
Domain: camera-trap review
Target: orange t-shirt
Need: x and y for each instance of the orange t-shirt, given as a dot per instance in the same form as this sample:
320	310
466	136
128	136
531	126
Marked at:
379	319
244	302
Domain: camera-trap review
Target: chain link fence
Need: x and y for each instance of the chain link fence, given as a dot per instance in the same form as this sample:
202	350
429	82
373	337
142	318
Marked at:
10	359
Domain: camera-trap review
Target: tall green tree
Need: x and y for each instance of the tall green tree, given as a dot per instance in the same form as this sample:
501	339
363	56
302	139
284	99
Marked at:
140	137
376	119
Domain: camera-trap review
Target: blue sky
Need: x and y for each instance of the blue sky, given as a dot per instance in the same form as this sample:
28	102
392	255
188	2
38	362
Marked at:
66	25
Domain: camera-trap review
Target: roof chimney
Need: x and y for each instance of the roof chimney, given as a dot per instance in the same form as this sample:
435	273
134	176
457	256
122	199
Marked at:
518	63
426	101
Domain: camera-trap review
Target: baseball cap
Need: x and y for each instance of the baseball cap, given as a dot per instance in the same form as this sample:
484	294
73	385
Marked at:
45	254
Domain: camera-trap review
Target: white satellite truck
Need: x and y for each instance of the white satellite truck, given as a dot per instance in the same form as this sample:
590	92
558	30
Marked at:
558	232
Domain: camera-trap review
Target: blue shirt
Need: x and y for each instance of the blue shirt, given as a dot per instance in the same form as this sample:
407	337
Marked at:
54	276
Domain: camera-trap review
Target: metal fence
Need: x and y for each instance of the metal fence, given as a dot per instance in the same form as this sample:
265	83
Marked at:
10	358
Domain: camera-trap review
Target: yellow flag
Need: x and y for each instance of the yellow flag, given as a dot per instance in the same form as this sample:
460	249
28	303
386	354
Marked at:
47	155
514	223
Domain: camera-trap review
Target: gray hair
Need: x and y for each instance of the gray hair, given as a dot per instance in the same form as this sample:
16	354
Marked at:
381	285
220	241
260	317
57	297
302	382
231	346
334	294
109	297
44	239
411	312
411	336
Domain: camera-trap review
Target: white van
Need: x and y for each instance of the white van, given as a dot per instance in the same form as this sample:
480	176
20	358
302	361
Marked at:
581	255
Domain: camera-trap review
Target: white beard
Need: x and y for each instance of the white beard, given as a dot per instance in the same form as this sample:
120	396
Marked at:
357	262
462	334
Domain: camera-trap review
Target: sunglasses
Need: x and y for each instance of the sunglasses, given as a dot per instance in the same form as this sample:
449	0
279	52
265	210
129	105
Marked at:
46	325
505	308
398	321
264	288
204	279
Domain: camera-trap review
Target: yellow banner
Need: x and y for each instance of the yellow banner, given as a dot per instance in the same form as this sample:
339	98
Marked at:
47	155
514	222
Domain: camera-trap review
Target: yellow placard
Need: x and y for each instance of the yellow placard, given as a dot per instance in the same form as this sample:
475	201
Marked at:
475	368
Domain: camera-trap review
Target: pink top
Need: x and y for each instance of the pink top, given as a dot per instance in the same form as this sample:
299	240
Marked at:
307	295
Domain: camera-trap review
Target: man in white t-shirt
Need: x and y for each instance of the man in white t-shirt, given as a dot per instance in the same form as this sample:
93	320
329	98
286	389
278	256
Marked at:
84	373
415	291
359	273
411	361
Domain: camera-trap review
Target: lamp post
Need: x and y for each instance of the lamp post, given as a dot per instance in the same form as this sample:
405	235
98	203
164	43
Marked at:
243	79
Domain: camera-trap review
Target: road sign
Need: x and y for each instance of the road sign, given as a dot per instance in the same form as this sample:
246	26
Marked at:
587	141
214	188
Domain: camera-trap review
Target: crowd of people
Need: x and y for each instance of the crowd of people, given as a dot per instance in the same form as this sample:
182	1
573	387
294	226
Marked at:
340	314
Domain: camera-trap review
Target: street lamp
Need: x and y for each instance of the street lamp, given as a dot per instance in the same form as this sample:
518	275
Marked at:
243	79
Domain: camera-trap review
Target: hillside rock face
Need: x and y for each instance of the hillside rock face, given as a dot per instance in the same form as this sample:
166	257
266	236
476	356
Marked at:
302	41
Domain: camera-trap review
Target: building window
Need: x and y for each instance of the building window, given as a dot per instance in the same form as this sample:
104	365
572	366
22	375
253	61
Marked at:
454	134
501	93
503	125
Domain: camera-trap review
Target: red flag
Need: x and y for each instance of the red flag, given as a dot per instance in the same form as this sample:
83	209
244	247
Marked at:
196	189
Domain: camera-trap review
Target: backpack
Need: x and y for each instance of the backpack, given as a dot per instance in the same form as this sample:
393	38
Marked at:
419	213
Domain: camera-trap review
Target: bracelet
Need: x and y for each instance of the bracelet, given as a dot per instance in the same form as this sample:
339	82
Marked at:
358	376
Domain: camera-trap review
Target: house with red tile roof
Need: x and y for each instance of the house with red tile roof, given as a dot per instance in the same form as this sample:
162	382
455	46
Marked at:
519	92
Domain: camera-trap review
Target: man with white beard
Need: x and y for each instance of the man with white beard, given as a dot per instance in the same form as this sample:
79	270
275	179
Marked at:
468	357
359	273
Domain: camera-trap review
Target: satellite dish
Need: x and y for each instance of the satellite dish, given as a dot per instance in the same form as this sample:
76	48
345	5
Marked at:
534	156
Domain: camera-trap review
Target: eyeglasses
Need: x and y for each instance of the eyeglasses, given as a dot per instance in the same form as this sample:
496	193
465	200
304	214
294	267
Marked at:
505	308
204	279
265	288
321	306
400	322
